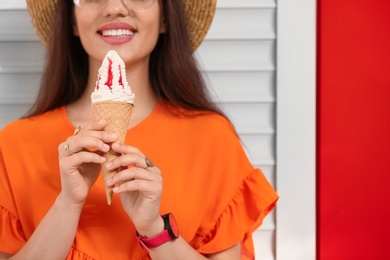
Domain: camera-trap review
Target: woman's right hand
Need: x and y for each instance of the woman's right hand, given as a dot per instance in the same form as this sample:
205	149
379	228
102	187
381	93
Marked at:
80	159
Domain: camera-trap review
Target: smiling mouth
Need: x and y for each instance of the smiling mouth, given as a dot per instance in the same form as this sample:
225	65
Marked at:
117	33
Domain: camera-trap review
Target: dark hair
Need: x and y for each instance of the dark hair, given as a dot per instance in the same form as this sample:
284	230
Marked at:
174	73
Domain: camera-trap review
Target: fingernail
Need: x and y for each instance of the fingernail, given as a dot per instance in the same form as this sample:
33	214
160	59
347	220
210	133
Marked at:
113	135
102	159
101	121
106	147
115	189
109	164
109	181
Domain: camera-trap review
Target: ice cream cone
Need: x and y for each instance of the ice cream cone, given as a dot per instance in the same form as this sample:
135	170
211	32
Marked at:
117	115
112	100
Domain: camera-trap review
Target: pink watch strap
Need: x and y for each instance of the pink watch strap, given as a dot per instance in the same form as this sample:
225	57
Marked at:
155	241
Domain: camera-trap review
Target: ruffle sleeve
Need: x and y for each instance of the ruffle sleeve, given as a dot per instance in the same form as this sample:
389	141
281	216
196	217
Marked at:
11	233
75	254
12	237
253	200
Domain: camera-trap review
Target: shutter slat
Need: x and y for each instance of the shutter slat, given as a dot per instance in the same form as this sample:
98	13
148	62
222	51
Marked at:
260	148
237	55
229	86
12	4
245	3
11	112
18	88
233	24
19	29
251	118
21	54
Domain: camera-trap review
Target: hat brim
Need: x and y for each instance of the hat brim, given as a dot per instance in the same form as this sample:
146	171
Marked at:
199	14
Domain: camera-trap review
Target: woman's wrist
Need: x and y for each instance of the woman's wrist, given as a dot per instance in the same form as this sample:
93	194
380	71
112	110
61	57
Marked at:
154	229
63	202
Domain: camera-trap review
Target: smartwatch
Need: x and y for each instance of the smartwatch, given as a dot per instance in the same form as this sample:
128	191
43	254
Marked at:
170	232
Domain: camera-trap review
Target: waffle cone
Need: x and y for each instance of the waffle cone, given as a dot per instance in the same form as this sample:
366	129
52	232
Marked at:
117	116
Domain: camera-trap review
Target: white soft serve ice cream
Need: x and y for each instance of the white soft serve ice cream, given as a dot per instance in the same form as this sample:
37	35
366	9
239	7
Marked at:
112	83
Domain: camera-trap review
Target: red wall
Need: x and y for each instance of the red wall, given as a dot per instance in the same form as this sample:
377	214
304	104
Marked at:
353	181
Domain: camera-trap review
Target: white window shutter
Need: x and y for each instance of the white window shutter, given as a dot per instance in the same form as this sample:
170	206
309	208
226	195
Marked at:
238	58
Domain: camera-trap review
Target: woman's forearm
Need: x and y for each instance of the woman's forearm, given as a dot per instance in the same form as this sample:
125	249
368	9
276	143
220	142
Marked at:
180	249
53	237
177	249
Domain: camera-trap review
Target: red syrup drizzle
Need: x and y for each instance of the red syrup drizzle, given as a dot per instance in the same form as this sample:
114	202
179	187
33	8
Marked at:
110	76
120	77
97	82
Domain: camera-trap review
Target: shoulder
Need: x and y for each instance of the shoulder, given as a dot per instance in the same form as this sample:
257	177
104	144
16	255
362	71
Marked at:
214	125
32	127
204	123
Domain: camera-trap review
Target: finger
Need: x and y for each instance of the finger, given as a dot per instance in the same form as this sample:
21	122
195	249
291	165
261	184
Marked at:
72	163
126	149
100	125
86	139
130	174
142	161
135	159
65	150
95	125
96	130
93	140
103	136
146	187
73	148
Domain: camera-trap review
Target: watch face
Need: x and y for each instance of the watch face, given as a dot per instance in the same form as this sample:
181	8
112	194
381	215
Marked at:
174	227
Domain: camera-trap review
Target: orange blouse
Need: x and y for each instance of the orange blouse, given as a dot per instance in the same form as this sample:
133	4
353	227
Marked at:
217	197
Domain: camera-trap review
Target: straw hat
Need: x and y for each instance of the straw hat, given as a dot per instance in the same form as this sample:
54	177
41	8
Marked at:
199	13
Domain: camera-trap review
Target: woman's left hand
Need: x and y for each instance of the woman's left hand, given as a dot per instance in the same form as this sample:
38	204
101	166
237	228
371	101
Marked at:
139	186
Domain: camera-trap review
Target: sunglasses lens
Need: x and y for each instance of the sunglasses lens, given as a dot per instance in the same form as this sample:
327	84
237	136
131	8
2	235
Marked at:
96	4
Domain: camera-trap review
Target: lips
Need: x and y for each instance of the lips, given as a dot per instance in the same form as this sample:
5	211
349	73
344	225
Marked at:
116	33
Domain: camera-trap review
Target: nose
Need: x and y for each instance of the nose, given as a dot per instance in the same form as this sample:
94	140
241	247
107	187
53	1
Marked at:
114	8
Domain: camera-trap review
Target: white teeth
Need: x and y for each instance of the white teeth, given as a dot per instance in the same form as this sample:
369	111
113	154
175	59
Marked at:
117	33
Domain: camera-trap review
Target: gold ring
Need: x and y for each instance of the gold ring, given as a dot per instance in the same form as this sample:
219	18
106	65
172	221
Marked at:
149	162
77	130
66	148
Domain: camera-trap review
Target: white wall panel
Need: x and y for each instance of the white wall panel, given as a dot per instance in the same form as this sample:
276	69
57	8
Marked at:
296	120
238	58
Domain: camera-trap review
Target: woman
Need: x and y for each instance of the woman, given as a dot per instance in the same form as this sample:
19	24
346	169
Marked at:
200	197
